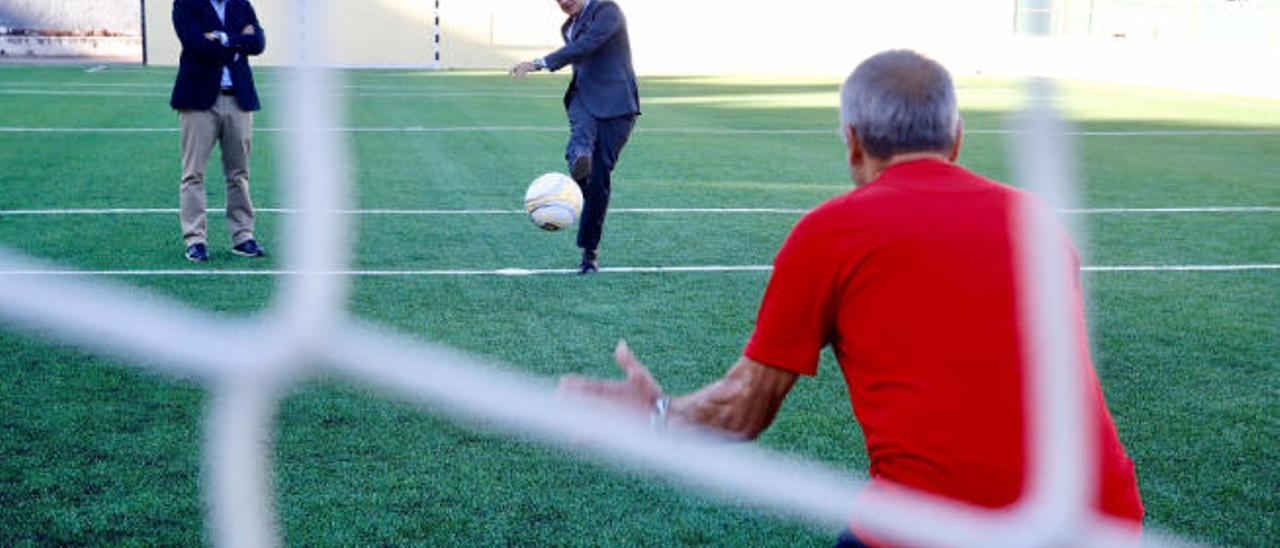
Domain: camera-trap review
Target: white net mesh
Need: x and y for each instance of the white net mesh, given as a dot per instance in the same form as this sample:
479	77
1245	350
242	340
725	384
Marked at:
307	328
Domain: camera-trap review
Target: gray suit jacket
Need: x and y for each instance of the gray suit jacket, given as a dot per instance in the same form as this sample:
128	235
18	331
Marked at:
600	52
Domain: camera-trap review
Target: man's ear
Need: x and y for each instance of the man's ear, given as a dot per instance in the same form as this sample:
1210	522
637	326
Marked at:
855	154
857	157
955	146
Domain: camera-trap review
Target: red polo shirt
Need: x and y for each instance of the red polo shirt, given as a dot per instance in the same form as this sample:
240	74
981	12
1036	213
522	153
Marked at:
910	279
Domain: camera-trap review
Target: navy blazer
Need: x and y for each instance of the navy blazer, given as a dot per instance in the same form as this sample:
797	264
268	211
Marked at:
200	67
600	53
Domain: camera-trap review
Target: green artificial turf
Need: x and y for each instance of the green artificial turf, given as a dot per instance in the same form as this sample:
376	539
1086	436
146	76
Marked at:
96	451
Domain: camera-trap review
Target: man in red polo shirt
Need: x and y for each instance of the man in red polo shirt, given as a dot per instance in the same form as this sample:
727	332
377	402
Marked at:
910	278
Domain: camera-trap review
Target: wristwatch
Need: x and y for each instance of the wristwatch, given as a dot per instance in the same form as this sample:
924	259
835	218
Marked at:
540	63
658	417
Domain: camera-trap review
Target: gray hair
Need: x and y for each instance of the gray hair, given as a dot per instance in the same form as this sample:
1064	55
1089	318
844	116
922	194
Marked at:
898	102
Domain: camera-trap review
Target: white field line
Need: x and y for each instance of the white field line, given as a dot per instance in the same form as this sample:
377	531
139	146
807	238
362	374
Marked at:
112	89
1124	210
87	93
966	95
33	87
419	94
33	84
426	90
620	210
133	89
655	130
1182	268
519	272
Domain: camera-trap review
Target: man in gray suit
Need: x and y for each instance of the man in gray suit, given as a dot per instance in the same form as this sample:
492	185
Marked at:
602	103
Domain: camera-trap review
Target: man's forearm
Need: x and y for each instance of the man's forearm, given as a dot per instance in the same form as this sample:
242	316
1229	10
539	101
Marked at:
742	404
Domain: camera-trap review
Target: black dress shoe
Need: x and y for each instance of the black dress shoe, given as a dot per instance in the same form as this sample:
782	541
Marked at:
590	260
581	170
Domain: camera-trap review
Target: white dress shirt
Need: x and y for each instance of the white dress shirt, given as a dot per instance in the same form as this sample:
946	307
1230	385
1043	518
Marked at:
541	62
568	33
220	6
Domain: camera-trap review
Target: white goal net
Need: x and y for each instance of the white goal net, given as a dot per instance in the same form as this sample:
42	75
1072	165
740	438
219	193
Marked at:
307	328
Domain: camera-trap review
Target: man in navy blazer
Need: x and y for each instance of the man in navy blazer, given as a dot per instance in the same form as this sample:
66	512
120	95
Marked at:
215	99
602	103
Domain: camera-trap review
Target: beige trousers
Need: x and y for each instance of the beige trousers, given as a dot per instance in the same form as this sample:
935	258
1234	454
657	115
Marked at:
232	128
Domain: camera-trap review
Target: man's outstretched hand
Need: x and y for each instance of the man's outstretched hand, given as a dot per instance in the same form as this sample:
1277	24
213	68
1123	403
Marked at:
522	69
638	391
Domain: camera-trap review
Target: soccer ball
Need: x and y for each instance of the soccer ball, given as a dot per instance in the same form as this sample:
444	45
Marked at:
553	201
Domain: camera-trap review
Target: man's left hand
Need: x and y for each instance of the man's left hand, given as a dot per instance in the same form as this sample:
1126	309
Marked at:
638	391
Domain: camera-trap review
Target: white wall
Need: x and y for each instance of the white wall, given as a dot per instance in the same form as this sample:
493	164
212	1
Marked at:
76	15
825	37
830	37
803	35
667	35
496	33
361	32
682	36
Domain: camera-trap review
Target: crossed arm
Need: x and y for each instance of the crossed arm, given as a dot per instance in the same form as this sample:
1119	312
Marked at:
742	403
212	45
251	40
245	41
